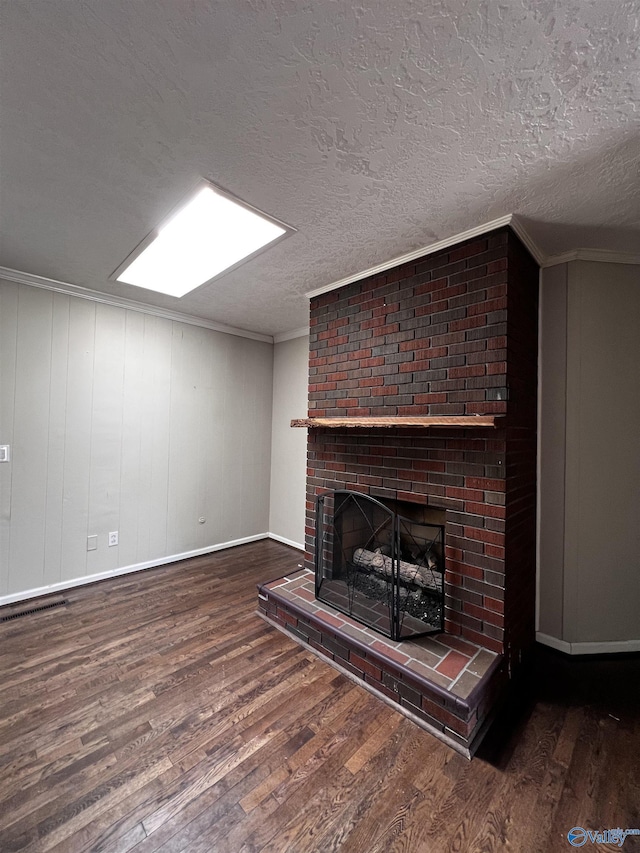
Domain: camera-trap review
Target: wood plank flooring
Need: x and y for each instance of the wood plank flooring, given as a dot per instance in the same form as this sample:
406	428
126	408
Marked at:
157	713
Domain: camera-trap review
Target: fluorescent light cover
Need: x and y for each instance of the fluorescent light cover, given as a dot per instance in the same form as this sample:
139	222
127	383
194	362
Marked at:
205	237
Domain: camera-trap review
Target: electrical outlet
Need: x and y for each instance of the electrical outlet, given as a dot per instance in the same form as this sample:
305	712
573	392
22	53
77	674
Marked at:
113	538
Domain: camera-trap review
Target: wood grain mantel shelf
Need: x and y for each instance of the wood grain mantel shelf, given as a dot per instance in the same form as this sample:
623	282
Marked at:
395	422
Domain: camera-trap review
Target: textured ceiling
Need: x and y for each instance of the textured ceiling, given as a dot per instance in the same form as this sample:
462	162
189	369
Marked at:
373	128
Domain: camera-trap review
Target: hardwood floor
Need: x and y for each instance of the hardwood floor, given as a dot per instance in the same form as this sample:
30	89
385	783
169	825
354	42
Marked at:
157	712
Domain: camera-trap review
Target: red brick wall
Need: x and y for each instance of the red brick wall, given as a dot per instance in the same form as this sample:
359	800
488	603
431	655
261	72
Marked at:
426	338
444	335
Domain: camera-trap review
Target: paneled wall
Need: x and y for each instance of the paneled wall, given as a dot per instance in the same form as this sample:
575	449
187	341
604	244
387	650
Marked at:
289	446
589	575
124	421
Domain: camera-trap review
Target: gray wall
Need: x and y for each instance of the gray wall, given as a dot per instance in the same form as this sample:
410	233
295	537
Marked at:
289	446
124	421
552	441
589	578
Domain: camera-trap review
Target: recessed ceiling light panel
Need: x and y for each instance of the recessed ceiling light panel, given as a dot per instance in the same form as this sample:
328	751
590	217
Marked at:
207	235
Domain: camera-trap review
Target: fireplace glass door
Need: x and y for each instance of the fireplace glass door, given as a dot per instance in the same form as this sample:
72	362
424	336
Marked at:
378	566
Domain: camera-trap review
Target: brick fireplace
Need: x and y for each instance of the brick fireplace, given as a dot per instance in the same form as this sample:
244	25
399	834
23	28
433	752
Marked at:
450	341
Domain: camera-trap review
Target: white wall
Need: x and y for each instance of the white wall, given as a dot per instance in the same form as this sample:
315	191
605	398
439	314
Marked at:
590	458
119	420
289	446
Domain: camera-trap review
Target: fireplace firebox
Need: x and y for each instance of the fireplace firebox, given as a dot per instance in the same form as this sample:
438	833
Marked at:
381	564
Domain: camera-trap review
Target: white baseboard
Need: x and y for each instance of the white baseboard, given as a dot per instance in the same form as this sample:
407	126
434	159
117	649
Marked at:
285	541
125	570
553	642
590	648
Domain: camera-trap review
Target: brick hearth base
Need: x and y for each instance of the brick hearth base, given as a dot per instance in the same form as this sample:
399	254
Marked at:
447	685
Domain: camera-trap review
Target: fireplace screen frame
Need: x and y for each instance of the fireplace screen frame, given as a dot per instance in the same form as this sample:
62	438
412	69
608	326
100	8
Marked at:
422	578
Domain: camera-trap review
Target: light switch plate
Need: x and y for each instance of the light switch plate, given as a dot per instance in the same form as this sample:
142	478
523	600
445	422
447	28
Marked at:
4	453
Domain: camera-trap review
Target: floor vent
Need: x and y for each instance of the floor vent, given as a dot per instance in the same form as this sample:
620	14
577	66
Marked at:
33	610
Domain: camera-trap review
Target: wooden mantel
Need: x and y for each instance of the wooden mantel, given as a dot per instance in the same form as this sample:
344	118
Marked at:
463	421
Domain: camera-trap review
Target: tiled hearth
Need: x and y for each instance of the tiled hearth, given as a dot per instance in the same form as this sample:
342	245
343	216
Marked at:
445	684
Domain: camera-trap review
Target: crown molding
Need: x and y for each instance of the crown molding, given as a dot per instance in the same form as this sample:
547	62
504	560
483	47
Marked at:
288	336
526	238
511	220
128	304
604	256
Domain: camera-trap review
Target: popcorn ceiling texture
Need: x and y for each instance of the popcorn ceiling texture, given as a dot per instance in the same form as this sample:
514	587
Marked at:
373	129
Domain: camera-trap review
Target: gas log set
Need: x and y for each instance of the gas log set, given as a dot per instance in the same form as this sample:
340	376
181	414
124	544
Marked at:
382	569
